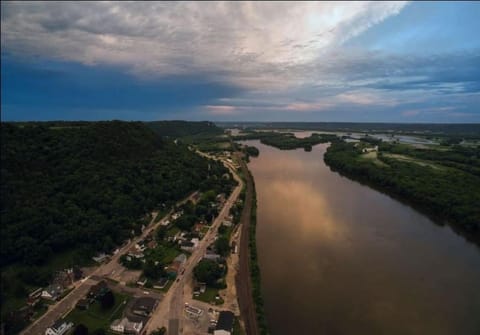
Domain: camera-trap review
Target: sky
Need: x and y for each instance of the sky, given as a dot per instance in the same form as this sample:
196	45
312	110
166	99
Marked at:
241	61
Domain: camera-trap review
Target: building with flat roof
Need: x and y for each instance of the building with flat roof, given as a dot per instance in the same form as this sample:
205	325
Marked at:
144	306
225	323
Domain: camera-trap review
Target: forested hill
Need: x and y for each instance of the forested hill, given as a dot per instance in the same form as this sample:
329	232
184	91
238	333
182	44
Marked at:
86	186
185	128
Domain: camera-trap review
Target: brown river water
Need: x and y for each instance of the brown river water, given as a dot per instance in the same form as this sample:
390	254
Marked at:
337	257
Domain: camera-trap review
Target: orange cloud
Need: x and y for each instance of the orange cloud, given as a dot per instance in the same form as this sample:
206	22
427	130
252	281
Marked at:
220	109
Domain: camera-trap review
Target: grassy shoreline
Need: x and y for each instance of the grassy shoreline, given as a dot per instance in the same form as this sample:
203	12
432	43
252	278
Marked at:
444	194
255	274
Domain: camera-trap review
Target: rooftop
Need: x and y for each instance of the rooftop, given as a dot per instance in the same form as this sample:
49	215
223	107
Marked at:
225	321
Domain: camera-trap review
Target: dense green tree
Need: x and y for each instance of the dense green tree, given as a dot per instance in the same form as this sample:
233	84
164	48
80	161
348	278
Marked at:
161	233
107	300
152	271
85	185
444	184
159	331
80	329
222	246
208	271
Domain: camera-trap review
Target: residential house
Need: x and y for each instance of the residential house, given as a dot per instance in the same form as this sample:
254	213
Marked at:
134	254
34	297
98	290
374	149
211	254
177	215
180	259
100	258
172	271
227	223
199	288
64	278
225	323
140	245
60	327
77	273
189	245
220	198
83	304
144	306
197	228
142	282
152	244
177	263
52	292
126	326
161	283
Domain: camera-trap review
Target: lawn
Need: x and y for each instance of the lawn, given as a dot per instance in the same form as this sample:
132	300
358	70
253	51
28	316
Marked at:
209	296
164	253
373	156
97	318
173	231
161	214
409	159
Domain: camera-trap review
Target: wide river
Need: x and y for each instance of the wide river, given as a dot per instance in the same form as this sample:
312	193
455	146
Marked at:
337	257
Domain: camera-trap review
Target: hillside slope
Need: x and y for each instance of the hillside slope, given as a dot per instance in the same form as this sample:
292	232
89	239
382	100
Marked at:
87	185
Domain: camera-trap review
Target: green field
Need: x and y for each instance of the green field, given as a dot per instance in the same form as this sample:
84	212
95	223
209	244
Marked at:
209	296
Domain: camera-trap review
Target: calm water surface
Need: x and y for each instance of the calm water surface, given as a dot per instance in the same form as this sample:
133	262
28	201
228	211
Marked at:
340	258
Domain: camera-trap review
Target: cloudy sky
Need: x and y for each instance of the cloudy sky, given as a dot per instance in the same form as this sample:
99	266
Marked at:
271	61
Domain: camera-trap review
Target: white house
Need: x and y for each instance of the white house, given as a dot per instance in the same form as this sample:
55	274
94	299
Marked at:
227	223
212	255
60	327
52	292
100	257
126	326
189	245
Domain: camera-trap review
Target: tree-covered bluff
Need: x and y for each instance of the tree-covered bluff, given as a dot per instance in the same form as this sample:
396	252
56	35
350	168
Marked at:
87	186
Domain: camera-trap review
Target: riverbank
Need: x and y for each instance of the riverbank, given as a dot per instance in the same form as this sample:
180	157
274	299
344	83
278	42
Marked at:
286	141
433	186
248	277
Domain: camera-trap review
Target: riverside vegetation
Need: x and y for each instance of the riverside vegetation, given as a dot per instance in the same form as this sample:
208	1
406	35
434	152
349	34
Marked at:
444	183
285	141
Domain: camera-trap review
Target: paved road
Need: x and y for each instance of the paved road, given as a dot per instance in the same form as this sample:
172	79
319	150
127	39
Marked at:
58	310
81	288
173	305
173	326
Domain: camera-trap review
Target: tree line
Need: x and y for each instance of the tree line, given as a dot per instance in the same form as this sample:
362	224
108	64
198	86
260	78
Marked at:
448	191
